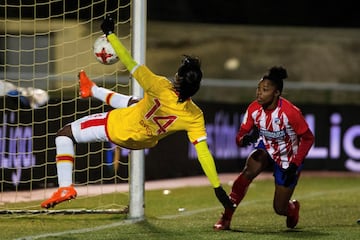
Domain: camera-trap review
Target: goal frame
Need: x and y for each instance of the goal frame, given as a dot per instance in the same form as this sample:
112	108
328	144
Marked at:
137	158
136	181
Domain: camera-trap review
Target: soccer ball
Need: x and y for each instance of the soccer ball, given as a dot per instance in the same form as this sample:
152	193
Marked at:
104	52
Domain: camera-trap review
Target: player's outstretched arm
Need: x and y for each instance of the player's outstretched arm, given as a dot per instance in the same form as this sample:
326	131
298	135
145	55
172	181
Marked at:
108	27
208	165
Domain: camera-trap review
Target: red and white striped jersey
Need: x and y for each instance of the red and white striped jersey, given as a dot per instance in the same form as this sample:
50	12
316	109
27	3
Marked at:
279	129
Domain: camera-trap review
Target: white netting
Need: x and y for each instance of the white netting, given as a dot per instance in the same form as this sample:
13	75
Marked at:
43	46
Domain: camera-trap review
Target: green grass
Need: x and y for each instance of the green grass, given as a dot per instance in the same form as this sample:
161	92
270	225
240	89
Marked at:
329	210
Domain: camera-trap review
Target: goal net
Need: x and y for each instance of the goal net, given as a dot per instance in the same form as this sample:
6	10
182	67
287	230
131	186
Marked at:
43	46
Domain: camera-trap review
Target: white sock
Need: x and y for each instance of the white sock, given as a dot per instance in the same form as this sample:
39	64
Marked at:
116	100
64	160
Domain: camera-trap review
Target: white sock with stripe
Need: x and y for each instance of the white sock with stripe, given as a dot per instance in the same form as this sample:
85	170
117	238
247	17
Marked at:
116	100
64	160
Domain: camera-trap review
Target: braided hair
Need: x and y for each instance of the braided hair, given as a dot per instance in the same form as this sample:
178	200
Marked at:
189	76
276	76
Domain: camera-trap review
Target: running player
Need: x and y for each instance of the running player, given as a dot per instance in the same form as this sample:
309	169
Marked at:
282	138
166	108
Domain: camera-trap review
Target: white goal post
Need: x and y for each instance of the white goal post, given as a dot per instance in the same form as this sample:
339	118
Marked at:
137	158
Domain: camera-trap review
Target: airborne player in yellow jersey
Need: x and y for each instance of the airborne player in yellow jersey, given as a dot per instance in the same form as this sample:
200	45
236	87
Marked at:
166	108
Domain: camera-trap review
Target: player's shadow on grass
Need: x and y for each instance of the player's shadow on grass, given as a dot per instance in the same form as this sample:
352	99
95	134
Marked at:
300	233
288	233
154	229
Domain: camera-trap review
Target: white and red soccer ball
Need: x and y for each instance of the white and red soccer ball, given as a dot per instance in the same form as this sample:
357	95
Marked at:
104	52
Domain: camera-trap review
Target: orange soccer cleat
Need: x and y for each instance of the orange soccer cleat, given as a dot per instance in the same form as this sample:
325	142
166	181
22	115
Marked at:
222	224
85	85
293	218
61	195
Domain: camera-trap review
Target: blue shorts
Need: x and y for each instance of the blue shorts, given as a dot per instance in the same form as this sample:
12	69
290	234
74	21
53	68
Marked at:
278	170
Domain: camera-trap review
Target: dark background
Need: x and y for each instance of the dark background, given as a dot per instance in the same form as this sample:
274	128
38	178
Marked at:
258	12
249	12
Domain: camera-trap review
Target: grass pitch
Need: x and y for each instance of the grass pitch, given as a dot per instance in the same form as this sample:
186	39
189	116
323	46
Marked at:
329	210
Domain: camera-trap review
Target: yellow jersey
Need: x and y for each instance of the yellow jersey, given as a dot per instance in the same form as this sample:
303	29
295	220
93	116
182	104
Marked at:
155	116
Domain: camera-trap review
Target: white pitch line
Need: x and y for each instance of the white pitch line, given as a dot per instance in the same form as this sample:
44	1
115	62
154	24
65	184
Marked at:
193	212
83	230
246	203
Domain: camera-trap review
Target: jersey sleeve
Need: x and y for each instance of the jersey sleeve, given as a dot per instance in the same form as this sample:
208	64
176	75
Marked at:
297	120
122	52
302	130
207	163
149	81
305	143
196	131
247	123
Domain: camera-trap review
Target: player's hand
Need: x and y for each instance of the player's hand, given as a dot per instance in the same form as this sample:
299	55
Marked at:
290	174
250	138
224	198
108	25
247	140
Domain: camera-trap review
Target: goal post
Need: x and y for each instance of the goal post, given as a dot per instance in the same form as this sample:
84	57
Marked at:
43	46
137	157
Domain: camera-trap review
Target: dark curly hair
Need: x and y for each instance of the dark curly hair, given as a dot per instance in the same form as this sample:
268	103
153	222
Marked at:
276	75
189	76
